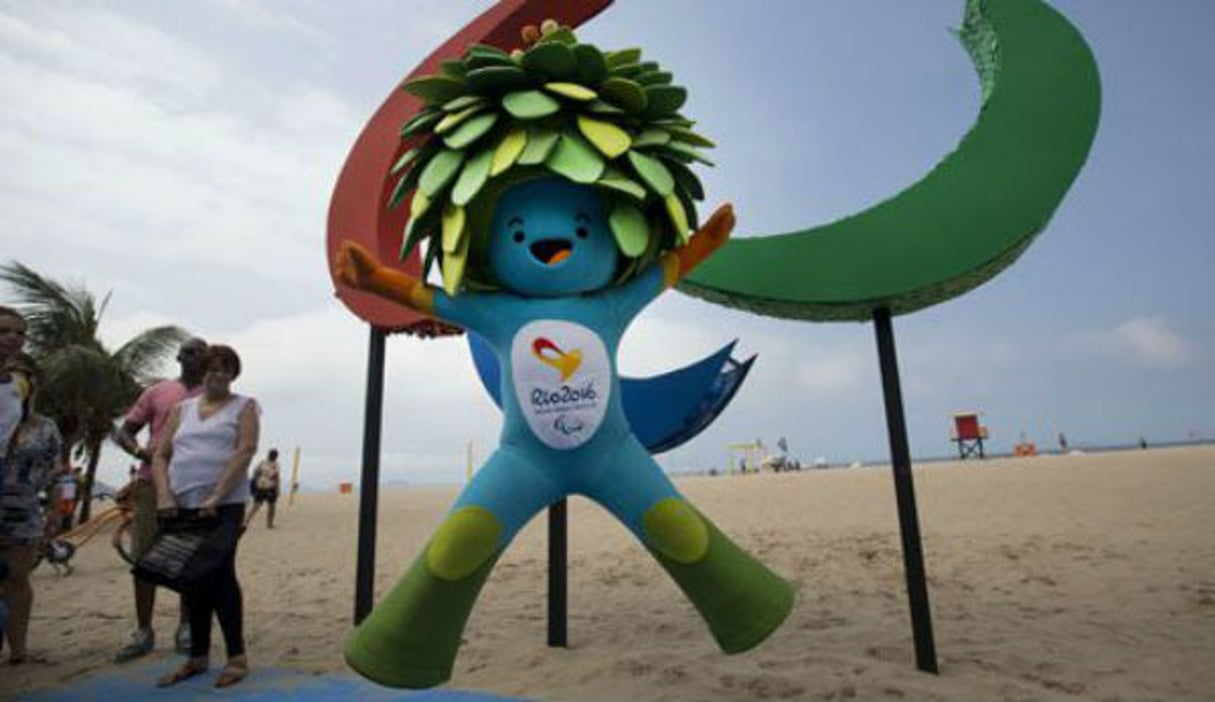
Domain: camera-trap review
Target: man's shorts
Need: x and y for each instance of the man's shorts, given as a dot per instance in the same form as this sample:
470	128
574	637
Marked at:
143	524
270	495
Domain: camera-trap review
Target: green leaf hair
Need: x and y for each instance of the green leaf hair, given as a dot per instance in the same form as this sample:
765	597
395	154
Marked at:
493	118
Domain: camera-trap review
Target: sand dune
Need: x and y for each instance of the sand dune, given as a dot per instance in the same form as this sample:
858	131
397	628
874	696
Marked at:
1063	578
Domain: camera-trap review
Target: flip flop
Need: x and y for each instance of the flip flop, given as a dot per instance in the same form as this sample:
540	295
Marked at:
185	672
232	674
27	657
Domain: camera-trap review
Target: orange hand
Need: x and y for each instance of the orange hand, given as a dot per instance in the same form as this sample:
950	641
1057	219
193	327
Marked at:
709	238
357	267
354	265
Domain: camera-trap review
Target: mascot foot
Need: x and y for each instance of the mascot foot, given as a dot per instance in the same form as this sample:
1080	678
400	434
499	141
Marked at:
410	639
740	599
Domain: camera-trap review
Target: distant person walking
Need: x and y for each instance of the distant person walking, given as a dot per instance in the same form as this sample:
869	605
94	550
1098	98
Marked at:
201	471
265	483
152	410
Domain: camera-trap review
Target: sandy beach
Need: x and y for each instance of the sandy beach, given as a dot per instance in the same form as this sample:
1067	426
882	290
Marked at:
1084	577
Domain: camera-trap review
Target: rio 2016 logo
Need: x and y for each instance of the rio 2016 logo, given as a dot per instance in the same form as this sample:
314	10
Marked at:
564	396
566	363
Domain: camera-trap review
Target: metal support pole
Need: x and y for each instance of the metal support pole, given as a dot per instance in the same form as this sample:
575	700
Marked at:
369	483
909	522
557	574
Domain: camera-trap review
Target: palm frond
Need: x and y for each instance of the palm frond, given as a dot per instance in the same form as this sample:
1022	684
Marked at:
141	356
57	315
81	376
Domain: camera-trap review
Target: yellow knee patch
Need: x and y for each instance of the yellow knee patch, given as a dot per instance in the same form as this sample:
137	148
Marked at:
463	543
676	531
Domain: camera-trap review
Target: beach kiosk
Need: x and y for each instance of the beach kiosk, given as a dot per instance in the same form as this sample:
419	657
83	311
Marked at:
752	453
968	434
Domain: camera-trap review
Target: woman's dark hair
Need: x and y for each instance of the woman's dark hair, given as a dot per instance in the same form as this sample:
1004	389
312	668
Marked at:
273	454
225	356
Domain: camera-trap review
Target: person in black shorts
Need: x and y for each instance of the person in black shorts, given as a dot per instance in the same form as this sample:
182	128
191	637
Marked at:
264	485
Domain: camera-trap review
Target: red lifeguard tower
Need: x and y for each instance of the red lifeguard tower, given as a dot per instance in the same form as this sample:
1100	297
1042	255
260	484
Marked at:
968	434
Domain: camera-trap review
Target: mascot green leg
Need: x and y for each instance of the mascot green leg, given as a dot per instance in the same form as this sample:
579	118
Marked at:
740	599
410	638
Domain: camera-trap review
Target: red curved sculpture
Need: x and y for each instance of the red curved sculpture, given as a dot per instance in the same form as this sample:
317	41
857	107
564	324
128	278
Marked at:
358	210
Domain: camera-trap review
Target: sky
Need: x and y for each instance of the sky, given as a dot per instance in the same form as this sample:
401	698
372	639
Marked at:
181	156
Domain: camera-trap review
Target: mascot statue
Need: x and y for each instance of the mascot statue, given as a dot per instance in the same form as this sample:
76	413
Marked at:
552	186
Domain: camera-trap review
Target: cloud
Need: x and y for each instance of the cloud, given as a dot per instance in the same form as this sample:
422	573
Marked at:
99	46
262	18
1142	341
157	150
658	343
837	373
661	342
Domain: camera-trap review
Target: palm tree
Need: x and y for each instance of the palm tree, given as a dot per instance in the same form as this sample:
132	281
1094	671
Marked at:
84	386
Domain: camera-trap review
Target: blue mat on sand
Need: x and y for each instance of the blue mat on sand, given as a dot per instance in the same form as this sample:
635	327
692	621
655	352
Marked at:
263	685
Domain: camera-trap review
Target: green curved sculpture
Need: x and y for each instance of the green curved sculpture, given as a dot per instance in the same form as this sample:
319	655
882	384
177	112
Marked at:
969	218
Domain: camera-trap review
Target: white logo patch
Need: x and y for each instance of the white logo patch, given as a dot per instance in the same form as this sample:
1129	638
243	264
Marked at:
563	381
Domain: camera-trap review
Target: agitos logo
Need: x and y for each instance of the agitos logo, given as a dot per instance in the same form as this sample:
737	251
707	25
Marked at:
550	354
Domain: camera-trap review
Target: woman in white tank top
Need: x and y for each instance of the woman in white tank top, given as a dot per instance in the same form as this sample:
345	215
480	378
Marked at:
201	472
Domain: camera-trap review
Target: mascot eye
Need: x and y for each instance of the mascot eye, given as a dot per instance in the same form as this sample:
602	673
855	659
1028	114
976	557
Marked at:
582	220
518	237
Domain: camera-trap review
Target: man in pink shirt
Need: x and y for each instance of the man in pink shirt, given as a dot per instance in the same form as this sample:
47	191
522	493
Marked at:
151	410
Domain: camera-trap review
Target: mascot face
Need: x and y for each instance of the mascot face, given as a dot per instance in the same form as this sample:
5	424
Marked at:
550	237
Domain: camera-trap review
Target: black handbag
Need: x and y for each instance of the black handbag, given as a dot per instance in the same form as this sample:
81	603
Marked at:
187	548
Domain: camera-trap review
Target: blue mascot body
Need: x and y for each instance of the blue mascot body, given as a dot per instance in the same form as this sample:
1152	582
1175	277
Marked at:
555	327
